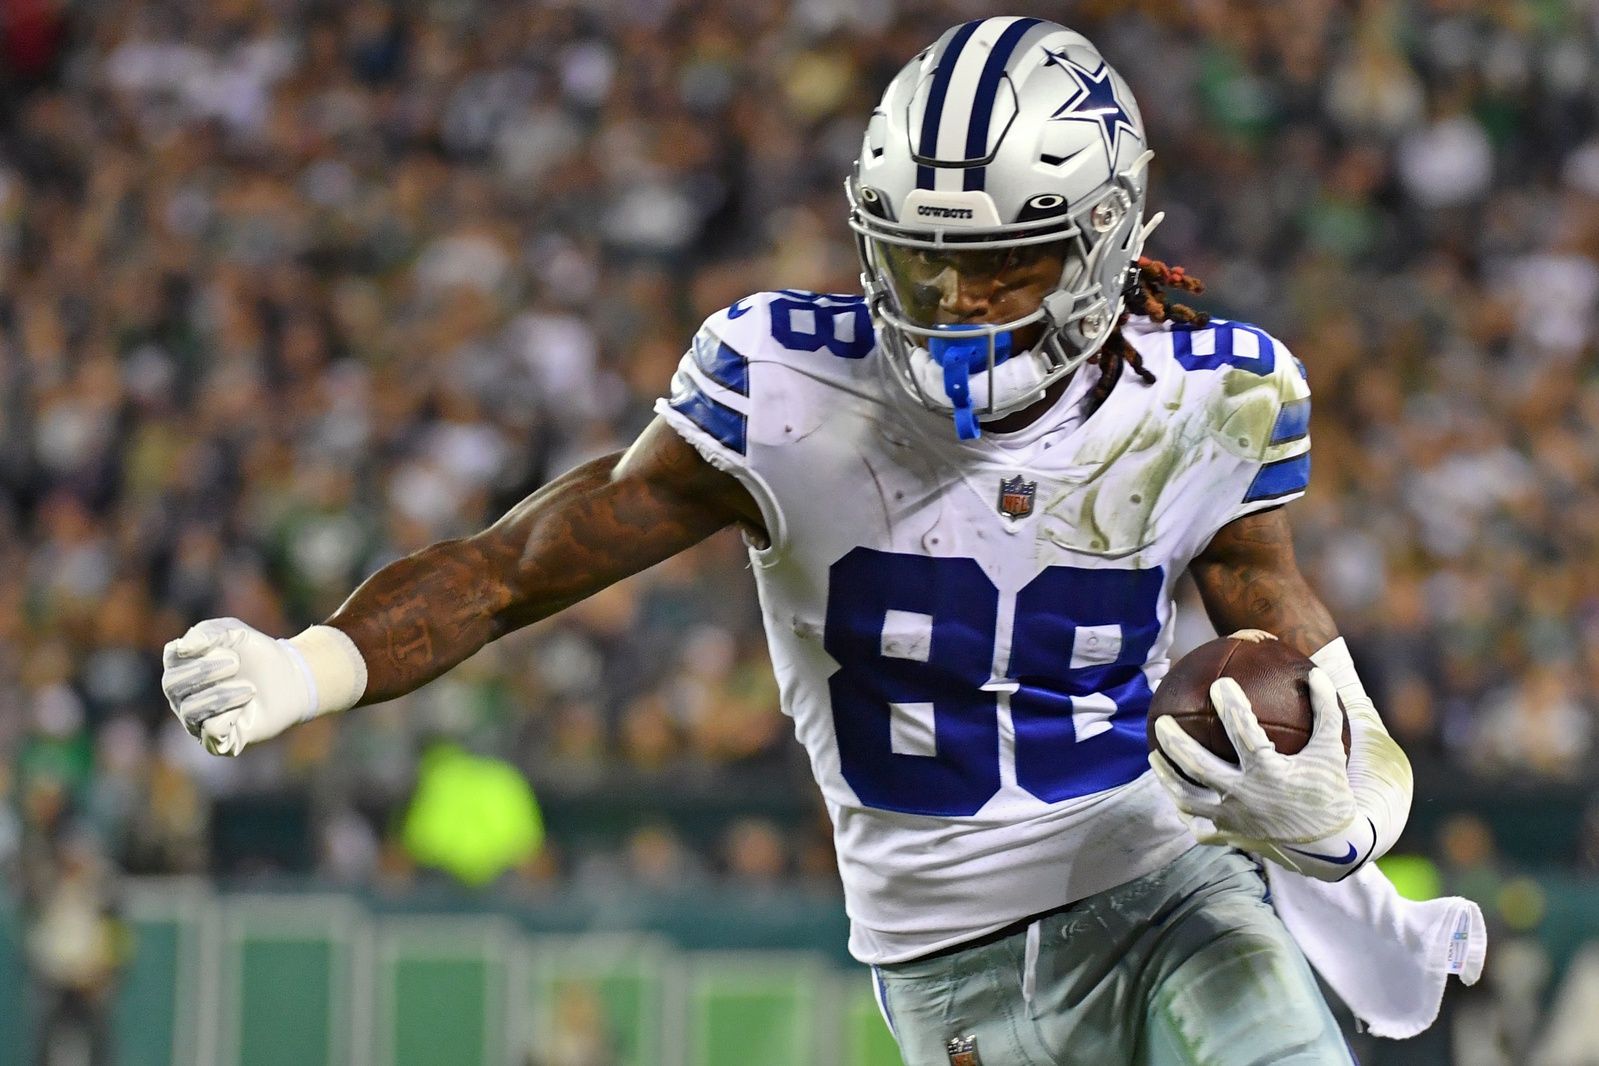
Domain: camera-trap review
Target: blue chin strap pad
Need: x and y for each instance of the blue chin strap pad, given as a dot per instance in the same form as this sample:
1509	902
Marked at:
961	357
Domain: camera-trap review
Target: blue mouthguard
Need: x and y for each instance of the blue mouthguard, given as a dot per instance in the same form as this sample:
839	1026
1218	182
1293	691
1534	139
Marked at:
961	357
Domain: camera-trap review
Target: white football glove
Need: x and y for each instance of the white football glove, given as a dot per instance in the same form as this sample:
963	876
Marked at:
233	686
1297	810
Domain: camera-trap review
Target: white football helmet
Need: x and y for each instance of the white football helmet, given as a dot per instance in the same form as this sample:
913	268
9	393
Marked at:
1006	146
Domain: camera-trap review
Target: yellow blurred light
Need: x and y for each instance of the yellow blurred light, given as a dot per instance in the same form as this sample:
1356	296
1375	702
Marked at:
472	816
1413	876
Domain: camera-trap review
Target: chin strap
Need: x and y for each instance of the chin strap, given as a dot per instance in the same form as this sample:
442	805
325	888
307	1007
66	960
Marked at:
962	357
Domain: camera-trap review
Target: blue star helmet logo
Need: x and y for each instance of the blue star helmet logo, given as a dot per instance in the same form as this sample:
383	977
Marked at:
1094	101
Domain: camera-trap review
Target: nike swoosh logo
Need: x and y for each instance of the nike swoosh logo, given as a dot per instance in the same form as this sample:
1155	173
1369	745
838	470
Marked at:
1341	860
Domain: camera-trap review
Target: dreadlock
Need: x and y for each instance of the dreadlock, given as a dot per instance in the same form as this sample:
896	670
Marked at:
1145	295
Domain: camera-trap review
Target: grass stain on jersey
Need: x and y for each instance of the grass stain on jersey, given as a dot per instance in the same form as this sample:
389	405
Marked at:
1244	421
1114	510
1131	482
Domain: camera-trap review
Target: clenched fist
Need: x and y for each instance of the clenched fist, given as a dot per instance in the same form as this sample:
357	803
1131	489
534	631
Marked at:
232	685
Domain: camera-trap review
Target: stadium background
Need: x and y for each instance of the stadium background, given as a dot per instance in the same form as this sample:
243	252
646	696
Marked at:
288	289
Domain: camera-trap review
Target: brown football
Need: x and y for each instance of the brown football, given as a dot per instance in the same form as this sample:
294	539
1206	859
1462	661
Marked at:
1274	676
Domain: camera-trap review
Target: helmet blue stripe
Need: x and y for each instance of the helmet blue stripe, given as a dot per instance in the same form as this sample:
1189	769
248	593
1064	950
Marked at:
935	100
987	89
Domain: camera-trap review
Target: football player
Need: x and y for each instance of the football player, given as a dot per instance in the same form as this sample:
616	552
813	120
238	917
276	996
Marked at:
968	494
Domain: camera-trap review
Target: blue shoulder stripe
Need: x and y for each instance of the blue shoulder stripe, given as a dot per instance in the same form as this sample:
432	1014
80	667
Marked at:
1282	478
722	364
720	421
983	99
935	101
1293	421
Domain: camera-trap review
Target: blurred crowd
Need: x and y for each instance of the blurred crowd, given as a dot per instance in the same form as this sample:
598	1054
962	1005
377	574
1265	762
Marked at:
290	289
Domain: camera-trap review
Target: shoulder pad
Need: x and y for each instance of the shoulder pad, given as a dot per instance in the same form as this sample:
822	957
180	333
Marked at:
769	369
1252	388
1262	407
821	334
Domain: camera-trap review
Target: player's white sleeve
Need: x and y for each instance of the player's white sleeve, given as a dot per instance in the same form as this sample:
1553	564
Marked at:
713	406
1379	772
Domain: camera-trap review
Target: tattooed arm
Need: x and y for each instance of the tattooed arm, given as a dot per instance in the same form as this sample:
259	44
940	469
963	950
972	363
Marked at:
612	517
1248	579
232	685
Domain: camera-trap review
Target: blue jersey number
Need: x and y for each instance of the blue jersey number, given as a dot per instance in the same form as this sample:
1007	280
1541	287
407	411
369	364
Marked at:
914	639
1224	335
808	322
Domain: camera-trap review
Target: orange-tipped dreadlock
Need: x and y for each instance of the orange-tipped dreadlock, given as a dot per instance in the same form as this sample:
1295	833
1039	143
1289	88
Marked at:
1147	297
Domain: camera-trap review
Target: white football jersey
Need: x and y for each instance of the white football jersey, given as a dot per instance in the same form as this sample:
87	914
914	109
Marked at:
967	633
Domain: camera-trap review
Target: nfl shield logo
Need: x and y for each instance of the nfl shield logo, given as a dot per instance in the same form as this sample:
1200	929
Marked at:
1016	497
963	1051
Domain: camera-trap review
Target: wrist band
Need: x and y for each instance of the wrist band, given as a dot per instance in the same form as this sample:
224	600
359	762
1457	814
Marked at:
1379	772
336	671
